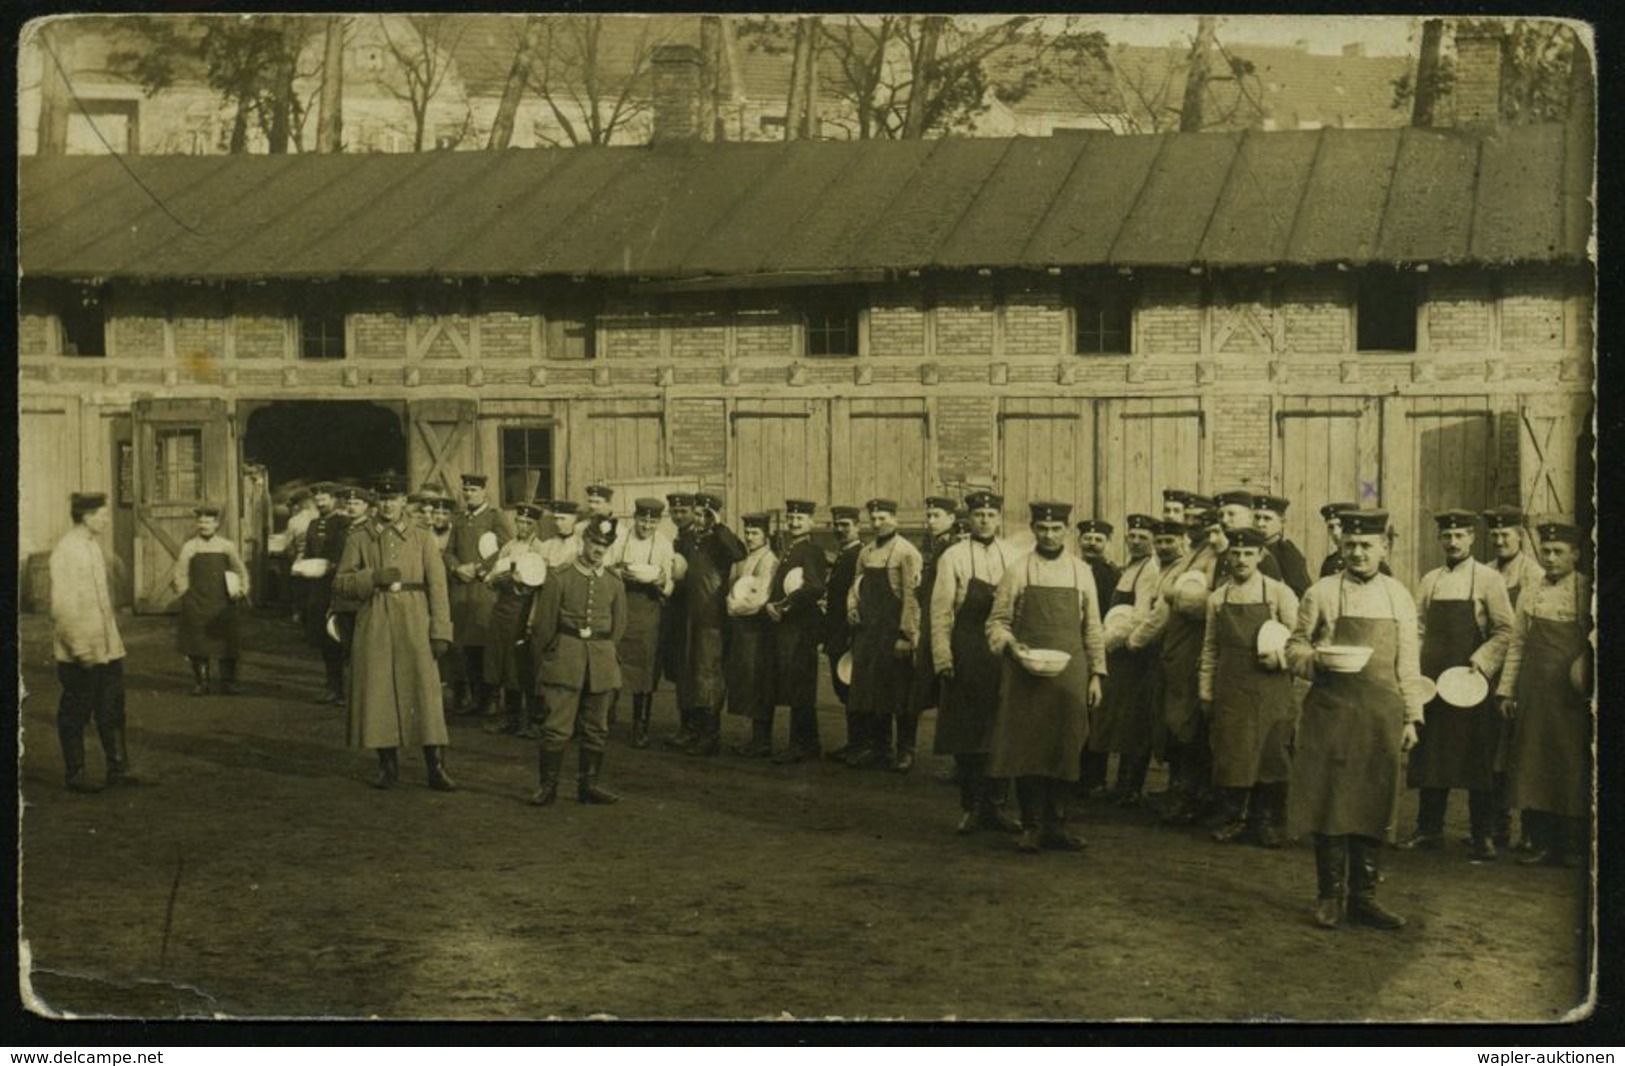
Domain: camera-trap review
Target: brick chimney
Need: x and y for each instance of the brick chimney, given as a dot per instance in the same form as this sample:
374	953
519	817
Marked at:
676	93
1477	92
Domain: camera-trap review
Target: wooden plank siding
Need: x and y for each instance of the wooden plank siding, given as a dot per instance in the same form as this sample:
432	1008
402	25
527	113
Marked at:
882	448
1147	445
779	449
1046	452
1438	453
175	440
1330	450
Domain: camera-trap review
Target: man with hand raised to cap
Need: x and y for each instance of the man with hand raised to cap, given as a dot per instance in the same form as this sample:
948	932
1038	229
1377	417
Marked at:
797	622
208	623
1122	723
509	667
924	692
1247	699
885	614
1465	620
1045	601
471	598
578	619
1354	727
701	688
837	634
645	599
87	647
1094	535
392	570
1269	512
968	575
1549	771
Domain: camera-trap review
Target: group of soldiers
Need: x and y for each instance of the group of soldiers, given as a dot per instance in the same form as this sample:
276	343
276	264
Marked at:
1210	648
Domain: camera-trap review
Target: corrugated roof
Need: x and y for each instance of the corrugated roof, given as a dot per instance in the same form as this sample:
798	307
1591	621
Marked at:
739	209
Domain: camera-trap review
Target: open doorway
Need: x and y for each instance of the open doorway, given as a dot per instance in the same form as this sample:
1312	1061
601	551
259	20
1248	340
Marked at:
302	441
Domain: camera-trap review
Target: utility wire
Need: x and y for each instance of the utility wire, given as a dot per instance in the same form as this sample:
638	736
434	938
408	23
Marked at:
44	42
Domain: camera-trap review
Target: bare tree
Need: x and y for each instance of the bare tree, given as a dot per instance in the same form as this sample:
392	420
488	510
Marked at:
513	89
593	91
1538	70
330	118
421	49
1149	90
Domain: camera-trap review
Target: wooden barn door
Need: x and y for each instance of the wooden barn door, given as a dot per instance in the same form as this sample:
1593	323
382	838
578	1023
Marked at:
619	442
1145	446
1553	431
1044	454
1330	451
778	450
183	458
442	444
1440	453
883	448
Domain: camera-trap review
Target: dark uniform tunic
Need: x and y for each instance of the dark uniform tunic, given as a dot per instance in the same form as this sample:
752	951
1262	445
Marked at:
578	619
923	693
324	539
472	600
507	661
700	683
1123	723
795	634
1294	567
748	657
843	572
968	576
674	616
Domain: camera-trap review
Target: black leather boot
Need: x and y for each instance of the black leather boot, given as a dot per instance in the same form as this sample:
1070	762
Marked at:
1092	773
200	675
434	763
1271	800
1233	811
587	788
73	760
1331	877
228	677
549	767
640	720
502	715
389	768
707	725
117	750
685	731
990	813
1363	876
1052	834
908	731
530	716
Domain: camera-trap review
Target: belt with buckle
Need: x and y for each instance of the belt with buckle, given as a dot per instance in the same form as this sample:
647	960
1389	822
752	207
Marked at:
401	586
584	632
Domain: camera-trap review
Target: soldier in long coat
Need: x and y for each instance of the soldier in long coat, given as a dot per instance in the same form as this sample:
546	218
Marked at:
645	602
1094	535
1465	620
748	652
1515	559
1126	707
576	624
969	671
673	617
885	615
1354	727
1248	699
1046	600
1549	773
208	622
796	622
701	688
837	635
509	665
393	570
477	534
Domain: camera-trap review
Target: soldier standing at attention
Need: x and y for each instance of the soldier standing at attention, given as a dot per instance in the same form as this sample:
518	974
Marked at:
843	572
1045	600
1123	723
701	689
968	575
748	651
579	618
923	690
1268	514
1549	772
477	534
796	624
680	505
1520	569
884	613
1466	620
391	568
324	541
209	598
88	649
639	647
509	667
1354	727
1094	534
1247	698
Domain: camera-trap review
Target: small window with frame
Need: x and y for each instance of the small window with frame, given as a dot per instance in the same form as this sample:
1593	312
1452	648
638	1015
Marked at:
178	470
1103	319
830	324
1385	311
570	325
321	325
527	463
82	323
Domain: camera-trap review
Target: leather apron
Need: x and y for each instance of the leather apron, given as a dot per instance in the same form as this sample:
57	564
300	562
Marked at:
1345	766
1456	745
970	701
747	659
880	680
1550	764
1253	708
1181	663
1043	721
924	690
639	646
507	662
208	615
1123	721
700	683
795	638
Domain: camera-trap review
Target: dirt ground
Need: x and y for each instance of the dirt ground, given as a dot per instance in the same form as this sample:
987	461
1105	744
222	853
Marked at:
717	889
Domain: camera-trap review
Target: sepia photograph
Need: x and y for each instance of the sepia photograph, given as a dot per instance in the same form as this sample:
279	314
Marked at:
877	517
